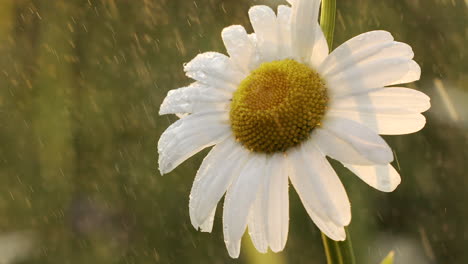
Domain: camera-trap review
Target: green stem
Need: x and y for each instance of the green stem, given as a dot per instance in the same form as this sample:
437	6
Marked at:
336	252
328	251
339	252
347	248
327	20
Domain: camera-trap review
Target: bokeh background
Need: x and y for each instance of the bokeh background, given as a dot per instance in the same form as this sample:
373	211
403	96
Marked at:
81	82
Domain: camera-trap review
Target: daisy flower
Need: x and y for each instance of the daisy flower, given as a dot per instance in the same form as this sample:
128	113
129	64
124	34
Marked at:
275	108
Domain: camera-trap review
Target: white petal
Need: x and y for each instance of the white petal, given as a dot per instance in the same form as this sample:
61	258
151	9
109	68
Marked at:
318	186
179	115
349	49
380	51
207	226
257	222
332	230
239	47
365	141
239	198
190	135
385	124
393	49
284	32
277	202
384	178
303	28
370	60
214	69
196	97
257	60
360	78
413	74
320	49
269	216
392	100
264	23
220	166
337	148
233	247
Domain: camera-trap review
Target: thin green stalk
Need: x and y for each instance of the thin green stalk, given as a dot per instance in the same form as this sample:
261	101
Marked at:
336	252
347	248
327	20
326	246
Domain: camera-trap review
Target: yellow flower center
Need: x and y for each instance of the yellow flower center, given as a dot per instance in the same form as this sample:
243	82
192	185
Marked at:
277	106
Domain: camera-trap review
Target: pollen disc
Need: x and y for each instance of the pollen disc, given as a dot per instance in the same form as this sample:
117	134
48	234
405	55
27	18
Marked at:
277	106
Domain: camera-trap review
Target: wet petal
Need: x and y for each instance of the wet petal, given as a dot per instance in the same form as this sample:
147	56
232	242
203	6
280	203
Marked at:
383	177
354	48
239	199
239	47
214	69
277	202
368	76
284	32
320	49
264	23
269	216
392	100
189	135
362	139
207	225
214	177
329	228
196	97
385	124
303	28
257	222
337	148
318	186
413	74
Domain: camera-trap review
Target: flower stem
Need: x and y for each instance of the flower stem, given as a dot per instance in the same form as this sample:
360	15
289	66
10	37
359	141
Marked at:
339	252
327	20
336	252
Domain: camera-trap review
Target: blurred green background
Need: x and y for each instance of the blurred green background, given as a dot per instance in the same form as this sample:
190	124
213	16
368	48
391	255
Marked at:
81	82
